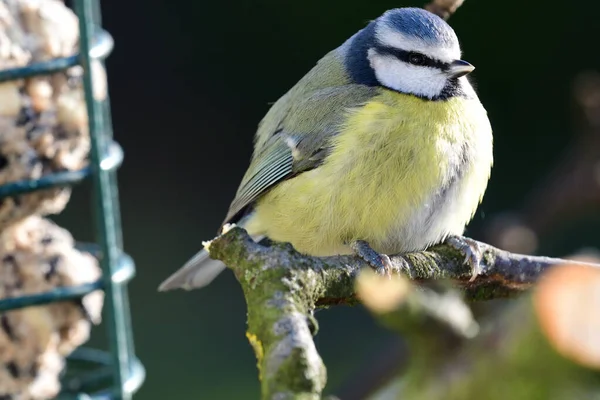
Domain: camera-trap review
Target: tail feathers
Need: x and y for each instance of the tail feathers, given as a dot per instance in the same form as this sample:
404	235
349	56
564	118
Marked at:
198	272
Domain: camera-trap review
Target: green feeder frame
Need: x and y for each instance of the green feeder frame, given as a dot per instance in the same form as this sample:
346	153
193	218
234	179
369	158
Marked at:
91	374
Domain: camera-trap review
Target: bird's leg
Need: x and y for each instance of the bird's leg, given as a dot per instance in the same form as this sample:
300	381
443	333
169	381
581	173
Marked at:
381	263
470	248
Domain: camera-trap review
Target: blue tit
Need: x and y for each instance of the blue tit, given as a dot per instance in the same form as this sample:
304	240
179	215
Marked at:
382	148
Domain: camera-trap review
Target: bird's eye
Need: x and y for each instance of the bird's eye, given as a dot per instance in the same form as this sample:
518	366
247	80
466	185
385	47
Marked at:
416	59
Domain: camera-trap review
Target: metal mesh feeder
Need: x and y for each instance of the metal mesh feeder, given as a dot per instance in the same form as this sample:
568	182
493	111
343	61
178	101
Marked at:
90	373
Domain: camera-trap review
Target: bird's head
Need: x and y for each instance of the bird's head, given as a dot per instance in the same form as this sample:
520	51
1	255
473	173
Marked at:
409	50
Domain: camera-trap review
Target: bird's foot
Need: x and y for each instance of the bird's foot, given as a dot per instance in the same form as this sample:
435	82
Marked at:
381	263
470	248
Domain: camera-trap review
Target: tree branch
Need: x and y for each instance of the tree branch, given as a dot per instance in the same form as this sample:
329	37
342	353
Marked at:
502	273
544	345
282	288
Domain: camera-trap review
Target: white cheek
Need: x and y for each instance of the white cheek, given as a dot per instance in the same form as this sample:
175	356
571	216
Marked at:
406	78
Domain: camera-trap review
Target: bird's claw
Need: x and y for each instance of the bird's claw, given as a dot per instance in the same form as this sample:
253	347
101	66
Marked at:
381	263
470	248
385	266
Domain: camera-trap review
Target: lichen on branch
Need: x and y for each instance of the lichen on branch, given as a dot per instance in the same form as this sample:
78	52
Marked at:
283	287
329	280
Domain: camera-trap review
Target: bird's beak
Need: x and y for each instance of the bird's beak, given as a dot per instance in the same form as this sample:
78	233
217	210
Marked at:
460	68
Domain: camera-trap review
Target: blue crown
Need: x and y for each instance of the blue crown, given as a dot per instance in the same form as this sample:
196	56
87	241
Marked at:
421	24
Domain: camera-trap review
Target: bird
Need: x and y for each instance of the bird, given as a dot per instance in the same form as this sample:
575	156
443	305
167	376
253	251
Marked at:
382	148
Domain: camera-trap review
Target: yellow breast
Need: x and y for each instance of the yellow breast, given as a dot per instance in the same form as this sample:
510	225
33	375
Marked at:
403	173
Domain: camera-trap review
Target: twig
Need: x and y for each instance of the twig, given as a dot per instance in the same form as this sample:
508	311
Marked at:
503	273
282	287
443	8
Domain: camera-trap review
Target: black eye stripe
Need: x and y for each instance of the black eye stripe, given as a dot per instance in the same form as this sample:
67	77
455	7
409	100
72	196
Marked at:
405	56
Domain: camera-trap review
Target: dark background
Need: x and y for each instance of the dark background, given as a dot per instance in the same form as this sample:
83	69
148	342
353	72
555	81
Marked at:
189	82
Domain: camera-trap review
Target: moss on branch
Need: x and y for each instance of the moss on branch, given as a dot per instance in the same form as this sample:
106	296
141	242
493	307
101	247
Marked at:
283	287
